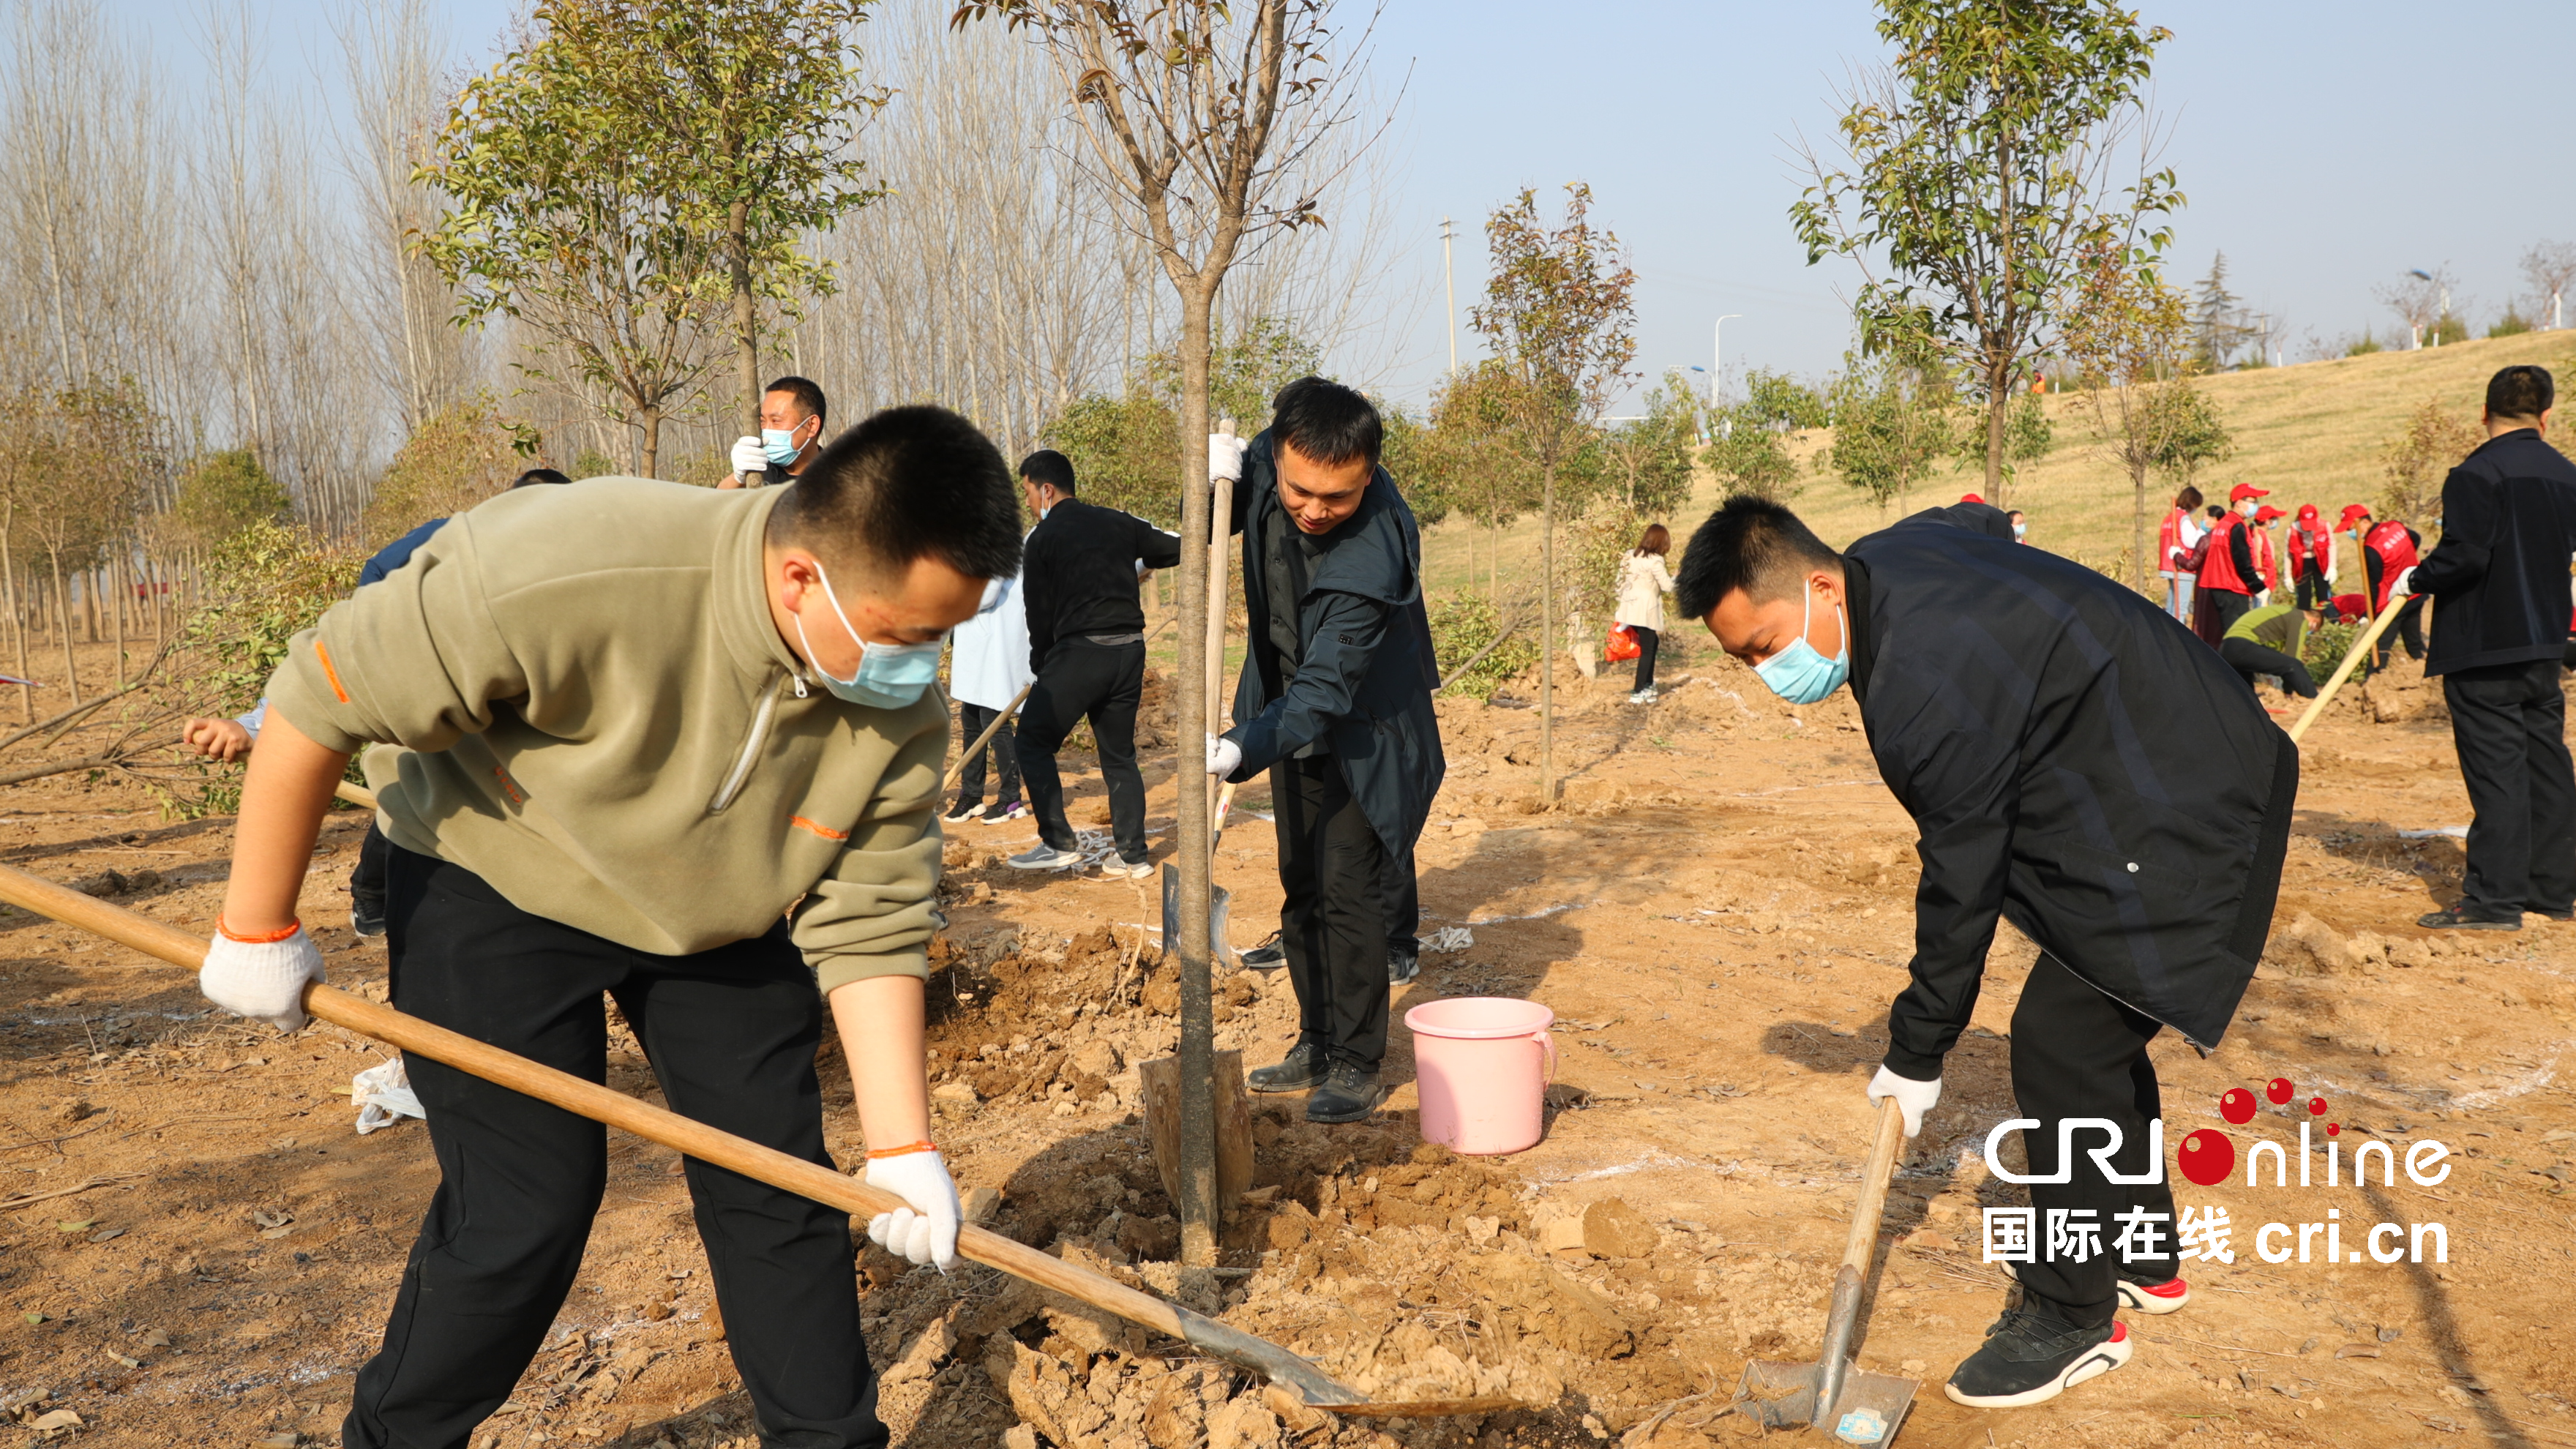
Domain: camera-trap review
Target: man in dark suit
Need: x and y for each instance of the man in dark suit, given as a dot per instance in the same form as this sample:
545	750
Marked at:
1335	702
2499	583
2077	762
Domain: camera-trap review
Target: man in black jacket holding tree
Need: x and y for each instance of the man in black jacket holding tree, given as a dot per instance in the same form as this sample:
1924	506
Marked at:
2499	584
2077	762
1335	703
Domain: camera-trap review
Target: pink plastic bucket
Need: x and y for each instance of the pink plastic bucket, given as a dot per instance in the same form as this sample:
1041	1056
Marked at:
1483	1064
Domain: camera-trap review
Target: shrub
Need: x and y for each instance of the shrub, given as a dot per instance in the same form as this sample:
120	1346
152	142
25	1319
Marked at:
1463	624
2511	324
466	452
2367	345
2326	646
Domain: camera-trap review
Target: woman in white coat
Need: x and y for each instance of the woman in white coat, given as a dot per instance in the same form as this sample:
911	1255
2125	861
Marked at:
1643	582
987	669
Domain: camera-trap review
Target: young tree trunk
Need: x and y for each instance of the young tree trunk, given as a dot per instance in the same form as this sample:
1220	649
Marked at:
650	458
17	618
2001	399
1547	637
1198	1205
63	612
746	338
116	612
2138	522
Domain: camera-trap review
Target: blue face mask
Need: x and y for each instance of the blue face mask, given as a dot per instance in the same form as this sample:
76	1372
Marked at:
890	676
1801	675
779	445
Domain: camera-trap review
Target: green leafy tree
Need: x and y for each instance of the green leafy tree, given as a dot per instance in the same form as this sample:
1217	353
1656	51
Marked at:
464	453
2127	338
636	179
2414	463
2028	437
753	110
1891	426
1126	446
265	583
222	493
1781	401
1471	457
76	520
1748	456
1978	169
1559	316
2218	321
1647	460
1410	459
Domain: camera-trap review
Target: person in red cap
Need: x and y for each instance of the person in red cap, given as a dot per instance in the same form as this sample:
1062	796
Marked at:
1972	498
2312	562
2229	574
2267	552
2388	550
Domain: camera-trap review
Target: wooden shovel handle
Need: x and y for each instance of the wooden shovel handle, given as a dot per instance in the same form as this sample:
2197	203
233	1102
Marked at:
986	738
1874	1175
599	1103
2351	658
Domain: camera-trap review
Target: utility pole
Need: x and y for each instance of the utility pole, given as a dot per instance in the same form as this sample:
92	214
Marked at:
1449	274
1717	356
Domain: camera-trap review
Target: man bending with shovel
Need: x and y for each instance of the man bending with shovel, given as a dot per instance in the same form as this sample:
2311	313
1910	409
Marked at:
2078	762
675	746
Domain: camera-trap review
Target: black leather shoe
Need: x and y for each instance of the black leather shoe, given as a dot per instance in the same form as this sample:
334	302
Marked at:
1302	1068
1268	956
2456	917
1401	967
1348	1094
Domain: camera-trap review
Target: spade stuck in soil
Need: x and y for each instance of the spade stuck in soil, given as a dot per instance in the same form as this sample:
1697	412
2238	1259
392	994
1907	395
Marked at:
1835	1394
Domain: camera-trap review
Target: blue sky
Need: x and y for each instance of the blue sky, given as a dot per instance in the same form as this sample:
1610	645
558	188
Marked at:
2325	148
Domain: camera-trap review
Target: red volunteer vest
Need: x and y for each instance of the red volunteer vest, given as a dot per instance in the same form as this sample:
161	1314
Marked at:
2218	567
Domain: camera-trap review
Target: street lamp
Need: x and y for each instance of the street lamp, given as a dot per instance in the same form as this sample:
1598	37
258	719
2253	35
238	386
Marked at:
2446	303
1717	355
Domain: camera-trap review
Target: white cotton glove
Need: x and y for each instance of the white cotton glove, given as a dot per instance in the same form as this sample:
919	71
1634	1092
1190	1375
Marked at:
1224	756
925	1232
748	459
263	980
2405	582
1912	1097
1225	457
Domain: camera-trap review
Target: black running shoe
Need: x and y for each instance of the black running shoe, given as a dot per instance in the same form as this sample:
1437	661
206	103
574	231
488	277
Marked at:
366	914
1302	1068
2031	1357
1270	955
2456	917
1401	967
1348	1094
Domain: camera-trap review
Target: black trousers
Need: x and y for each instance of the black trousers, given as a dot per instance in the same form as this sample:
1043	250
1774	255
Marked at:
1332	869
1647	640
1402	894
367	880
2314	591
731	1034
2508	723
1101	683
2249	659
972	721
2408	628
2078	1053
2226	606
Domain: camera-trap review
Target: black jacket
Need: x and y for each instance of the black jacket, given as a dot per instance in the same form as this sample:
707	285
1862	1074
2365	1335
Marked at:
1078	573
2499	576
2076	761
1363	684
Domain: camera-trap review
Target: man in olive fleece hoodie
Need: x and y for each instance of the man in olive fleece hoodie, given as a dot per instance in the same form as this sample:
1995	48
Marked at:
678	746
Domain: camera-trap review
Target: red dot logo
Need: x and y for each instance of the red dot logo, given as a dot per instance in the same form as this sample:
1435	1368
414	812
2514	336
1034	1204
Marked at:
2207	1156
2334	1129
2237	1106
2277	1091
2316	1106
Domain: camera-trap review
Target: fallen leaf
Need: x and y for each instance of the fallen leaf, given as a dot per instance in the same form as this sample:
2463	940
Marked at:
273	1234
110	1233
58	1419
156	1338
35	1317
128	1362
2356	1350
84	1225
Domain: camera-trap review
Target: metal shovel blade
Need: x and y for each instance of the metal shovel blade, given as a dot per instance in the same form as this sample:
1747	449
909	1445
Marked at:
1868	1408
1219	953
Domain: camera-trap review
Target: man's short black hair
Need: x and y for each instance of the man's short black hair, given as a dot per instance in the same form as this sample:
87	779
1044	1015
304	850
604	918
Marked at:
1751	544
807	395
539	475
1327	422
2520	391
1051	468
907	483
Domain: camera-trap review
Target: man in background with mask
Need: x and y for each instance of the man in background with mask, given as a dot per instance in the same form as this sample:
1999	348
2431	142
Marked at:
653	742
2078	764
1087	648
792	419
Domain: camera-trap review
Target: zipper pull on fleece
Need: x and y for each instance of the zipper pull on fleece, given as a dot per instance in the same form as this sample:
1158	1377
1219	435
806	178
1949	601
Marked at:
799	677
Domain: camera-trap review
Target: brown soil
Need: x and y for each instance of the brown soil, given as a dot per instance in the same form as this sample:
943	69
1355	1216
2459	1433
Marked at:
1718	913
